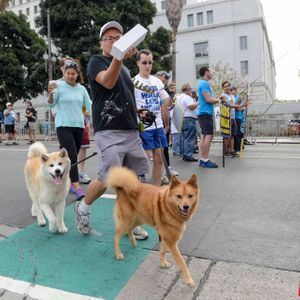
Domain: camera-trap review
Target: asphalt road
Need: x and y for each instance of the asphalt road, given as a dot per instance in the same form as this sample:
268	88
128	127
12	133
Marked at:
249	210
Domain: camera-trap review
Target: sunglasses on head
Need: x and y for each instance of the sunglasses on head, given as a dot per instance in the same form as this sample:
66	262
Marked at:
70	63
146	62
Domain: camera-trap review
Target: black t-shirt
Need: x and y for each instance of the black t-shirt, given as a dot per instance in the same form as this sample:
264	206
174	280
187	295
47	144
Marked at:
33	111
112	108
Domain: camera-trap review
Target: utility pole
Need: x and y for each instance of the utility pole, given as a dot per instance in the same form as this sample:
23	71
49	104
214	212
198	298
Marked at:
50	63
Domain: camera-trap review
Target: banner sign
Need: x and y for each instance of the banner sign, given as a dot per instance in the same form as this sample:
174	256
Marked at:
225	120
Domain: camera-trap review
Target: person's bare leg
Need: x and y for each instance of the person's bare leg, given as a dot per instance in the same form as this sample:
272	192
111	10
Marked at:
157	166
95	190
206	145
81	156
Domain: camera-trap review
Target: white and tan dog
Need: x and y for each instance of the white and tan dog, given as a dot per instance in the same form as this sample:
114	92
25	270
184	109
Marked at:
48	182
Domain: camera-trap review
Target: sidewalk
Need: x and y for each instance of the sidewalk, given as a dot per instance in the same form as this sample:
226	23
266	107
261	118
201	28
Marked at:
213	279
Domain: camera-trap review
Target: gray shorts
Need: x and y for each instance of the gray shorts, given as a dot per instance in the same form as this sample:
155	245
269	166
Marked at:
120	148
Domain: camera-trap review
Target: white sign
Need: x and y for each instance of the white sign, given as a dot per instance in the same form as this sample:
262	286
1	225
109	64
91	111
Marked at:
128	41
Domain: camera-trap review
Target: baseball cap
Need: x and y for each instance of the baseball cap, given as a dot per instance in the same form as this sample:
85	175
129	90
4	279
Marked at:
109	25
186	86
8	104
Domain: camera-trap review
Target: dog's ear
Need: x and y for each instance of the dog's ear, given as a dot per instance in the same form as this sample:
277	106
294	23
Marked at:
173	181
193	181
44	157
63	152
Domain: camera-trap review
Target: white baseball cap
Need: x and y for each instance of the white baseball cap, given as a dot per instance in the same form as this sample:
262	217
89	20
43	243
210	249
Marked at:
109	25
8	104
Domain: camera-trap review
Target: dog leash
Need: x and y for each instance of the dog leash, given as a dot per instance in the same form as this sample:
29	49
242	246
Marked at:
95	153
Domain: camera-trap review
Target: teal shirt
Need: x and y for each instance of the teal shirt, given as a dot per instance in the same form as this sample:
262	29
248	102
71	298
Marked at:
69	101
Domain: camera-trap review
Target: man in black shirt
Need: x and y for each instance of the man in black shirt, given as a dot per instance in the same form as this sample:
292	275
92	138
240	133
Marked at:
30	114
114	120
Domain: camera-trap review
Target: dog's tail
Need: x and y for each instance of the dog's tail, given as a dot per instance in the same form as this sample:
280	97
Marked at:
123	178
36	149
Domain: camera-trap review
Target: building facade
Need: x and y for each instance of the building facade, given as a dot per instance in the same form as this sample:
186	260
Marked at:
29	8
232	32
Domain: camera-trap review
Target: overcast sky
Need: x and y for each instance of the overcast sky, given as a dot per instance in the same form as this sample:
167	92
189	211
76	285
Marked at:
283	24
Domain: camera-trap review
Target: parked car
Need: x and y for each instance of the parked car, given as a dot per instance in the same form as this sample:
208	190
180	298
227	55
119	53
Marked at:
294	127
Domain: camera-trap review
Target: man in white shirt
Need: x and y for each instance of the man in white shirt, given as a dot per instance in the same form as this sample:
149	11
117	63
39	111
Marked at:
188	134
150	95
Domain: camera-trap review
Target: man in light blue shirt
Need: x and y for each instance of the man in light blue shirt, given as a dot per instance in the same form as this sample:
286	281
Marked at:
205	117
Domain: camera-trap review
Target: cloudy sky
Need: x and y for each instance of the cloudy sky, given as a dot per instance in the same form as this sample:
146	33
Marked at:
283	24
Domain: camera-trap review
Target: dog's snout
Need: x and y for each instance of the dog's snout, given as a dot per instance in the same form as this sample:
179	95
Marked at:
186	207
57	171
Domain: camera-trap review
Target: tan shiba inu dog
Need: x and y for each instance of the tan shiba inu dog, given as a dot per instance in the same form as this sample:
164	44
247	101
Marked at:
166	208
48	182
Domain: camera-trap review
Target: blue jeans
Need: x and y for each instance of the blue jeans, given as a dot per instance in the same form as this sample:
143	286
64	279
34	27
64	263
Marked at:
188	136
176	143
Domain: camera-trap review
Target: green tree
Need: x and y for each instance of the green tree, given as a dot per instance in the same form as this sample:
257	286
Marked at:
75	25
21	58
223	73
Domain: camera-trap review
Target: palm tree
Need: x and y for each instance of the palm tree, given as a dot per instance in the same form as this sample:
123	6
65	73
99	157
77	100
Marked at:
3	5
173	12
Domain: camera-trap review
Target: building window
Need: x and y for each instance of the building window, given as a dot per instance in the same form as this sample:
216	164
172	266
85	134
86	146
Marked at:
244	68
210	16
198	67
184	2
13	2
163	5
243	43
20	2
190	20
27	11
20	12
35	8
201	49
199	19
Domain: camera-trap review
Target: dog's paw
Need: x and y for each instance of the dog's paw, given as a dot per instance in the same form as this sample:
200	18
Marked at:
52	227
165	265
42	222
63	229
190	282
120	256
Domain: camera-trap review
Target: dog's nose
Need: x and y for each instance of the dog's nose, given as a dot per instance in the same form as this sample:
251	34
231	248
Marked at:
57	171
186	207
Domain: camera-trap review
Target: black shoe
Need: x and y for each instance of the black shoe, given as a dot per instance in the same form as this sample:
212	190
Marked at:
190	159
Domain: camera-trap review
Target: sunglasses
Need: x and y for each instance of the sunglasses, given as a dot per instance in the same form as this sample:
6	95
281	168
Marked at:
146	62
70	63
111	38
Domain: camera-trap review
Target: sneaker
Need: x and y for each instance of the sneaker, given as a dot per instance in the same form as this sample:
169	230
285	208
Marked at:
139	233
72	189
173	172
15	143
190	159
82	220
176	154
142	178
164	179
79	194
209	164
7	144
83	178
201	162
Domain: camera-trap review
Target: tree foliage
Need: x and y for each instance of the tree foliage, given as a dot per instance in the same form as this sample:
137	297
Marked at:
75	25
223	73
21	58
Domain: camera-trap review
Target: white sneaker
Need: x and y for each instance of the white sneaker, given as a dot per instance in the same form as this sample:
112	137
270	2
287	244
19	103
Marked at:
139	233
173	172
83	178
164	179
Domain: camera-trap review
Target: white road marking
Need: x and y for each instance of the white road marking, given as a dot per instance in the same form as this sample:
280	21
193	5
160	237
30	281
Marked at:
38	291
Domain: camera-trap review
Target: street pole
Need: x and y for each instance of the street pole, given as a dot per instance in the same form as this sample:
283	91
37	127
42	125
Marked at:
50	65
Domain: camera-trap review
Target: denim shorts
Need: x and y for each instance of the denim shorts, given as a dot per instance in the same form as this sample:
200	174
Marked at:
206	123
152	137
